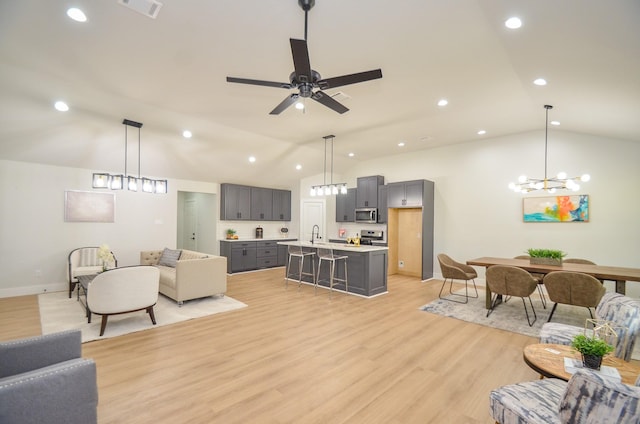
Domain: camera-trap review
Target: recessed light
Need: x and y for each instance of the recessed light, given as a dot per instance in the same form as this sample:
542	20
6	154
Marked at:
401	144
298	167
482	132
187	134
555	122
76	14
61	106
443	102
513	23
252	159
540	81
351	155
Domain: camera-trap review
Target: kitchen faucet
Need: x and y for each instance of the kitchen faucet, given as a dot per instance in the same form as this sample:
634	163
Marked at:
315	233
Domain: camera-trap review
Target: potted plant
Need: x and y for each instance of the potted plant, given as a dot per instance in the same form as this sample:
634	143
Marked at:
231	234
546	256
592	350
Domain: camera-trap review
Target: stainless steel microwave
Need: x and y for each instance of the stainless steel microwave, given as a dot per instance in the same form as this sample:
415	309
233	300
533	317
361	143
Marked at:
367	215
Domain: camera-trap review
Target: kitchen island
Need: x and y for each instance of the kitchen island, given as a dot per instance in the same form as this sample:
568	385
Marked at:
366	266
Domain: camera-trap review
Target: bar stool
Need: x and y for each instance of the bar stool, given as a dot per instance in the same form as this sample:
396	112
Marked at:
295	251
327	255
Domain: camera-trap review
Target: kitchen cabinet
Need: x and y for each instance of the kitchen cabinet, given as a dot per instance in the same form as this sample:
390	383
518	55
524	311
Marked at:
261	204
407	194
253	254
346	206
281	205
235	202
383	213
367	192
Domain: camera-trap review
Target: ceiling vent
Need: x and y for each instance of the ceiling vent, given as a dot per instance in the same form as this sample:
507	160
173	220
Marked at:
148	8
340	96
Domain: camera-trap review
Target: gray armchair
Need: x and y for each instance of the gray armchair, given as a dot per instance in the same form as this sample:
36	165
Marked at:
44	379
588	397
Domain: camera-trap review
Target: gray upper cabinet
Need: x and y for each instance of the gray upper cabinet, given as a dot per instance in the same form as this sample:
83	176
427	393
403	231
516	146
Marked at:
235	202
261	204
281	205
367	193
408	194
346	206
382	204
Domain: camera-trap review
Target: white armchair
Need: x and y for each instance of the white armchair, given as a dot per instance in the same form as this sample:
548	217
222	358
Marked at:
84	261
123	290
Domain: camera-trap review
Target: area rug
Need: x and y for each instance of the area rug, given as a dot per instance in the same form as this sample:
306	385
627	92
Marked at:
59	313
510	316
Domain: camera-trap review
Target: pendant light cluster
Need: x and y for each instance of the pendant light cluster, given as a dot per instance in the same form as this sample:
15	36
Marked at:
328	189
550	185
118	181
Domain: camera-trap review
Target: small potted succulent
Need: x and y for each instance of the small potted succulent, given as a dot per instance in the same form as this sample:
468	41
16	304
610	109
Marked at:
592	350
546	256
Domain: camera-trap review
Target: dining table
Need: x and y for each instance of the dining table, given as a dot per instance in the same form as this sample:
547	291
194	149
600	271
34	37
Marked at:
602	272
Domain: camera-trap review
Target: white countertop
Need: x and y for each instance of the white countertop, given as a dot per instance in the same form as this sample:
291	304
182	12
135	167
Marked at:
336	246
261	239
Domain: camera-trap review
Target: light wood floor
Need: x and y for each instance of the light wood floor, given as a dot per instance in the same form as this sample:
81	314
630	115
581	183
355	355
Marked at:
292	357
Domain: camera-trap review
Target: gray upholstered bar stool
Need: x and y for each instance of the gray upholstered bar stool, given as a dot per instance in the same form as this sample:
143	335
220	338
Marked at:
326	255
295	251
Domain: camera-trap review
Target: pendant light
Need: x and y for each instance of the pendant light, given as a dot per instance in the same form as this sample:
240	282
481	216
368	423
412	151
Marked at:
328	189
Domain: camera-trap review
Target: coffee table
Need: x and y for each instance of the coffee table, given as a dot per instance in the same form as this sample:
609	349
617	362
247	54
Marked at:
548	360
83	284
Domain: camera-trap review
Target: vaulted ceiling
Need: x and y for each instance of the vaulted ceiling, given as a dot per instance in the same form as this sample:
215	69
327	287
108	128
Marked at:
169	73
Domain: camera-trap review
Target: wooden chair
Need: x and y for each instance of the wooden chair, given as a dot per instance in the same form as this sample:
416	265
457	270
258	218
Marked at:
573	288
511	281
452	270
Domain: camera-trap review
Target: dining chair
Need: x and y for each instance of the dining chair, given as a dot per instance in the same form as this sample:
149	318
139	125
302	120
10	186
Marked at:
539	277
452	270
573	288
511	281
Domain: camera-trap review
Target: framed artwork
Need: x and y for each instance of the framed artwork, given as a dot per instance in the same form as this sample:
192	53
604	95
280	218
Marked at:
89	206
556	208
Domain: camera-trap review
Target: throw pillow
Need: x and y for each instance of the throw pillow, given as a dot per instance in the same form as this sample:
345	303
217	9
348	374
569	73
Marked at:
169	257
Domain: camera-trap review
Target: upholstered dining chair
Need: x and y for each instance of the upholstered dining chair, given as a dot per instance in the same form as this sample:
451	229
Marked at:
452	270
539	277
511	281
573	288
578	261
588	397
622	312
123	290
84	261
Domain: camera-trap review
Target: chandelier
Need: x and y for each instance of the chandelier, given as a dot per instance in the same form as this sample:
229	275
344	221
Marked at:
117	181
327	189
550	185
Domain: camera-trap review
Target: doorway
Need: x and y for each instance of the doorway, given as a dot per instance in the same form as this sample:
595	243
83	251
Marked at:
312	214
197	218
404	239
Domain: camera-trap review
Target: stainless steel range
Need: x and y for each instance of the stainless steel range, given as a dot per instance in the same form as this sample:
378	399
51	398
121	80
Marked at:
369	236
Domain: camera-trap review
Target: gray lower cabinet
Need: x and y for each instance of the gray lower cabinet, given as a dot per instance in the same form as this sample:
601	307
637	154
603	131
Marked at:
251	255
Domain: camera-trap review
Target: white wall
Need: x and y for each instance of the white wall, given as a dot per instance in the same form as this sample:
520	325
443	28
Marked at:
35	240
477	215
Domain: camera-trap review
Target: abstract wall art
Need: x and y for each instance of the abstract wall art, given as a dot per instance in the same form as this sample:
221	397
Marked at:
87	206
556	208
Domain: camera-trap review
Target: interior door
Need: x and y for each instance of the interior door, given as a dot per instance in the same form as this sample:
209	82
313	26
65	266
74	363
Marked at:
312	214
189	238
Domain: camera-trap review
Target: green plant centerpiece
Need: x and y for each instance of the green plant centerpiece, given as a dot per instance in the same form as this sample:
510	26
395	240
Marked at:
592	350
546	256
231	234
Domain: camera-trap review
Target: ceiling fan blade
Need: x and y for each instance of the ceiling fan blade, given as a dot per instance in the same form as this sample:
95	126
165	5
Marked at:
329	102
260	82
284	104
349	79
301	62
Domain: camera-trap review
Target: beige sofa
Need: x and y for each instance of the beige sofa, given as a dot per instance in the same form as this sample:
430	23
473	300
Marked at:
195	275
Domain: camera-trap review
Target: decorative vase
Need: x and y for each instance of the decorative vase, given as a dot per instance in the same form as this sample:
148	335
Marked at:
592	361
545	261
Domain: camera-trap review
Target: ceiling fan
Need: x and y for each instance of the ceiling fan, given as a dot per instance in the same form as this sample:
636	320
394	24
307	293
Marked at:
306	79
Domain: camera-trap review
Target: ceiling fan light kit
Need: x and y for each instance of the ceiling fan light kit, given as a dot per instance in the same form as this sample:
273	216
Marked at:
117	181
550	185
305	79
